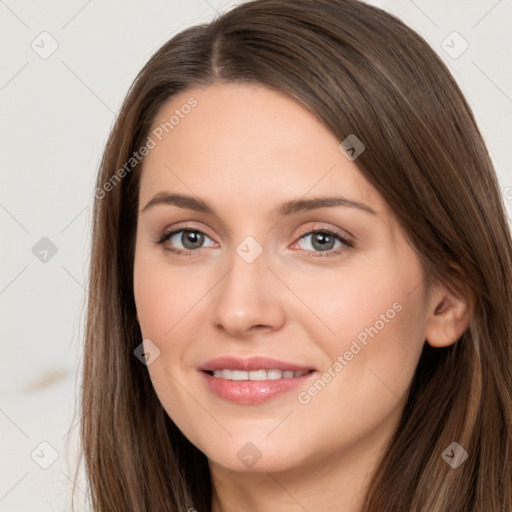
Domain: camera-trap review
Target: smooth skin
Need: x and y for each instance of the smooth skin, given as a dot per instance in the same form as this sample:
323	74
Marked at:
246	149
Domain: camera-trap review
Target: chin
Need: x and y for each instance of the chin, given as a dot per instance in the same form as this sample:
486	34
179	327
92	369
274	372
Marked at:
253	457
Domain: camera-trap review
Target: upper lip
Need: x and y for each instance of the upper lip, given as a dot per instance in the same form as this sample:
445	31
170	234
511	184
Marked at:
251	363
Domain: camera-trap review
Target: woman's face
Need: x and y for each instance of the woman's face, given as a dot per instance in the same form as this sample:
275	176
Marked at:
318	335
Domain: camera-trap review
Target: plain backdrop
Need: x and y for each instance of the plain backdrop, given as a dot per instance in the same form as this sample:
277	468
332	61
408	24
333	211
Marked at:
65	69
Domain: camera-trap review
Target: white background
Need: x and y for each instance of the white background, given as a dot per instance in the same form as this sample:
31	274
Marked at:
56	115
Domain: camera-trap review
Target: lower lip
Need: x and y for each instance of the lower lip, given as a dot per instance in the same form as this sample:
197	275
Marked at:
251	392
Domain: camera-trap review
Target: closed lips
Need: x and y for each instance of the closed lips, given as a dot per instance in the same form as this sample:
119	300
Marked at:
261	374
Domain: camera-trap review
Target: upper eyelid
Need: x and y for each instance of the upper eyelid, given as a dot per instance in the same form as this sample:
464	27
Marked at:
173	231
187	227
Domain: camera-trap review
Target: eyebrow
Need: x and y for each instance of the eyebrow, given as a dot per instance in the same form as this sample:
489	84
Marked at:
286	208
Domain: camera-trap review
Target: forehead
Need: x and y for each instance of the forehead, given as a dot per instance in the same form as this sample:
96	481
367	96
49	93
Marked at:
247	143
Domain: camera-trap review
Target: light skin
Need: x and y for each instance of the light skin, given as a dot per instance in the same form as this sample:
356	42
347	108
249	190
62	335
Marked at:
245	150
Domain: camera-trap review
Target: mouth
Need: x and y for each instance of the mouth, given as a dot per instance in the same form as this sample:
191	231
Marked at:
254	380
260	374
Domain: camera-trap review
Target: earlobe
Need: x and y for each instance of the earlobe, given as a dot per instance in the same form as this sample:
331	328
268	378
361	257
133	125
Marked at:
448	320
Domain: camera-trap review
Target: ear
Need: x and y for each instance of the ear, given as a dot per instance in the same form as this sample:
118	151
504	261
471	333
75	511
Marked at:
448	318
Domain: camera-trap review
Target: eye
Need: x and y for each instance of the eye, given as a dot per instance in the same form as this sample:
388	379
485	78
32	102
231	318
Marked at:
325	241
190	239
320	241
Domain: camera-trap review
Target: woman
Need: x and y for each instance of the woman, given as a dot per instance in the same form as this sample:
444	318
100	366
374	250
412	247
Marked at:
301	277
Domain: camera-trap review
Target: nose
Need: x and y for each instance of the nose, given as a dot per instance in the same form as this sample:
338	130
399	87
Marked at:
248	299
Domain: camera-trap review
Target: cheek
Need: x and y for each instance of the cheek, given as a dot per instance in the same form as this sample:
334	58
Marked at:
149	298
377	321
163	297
163	294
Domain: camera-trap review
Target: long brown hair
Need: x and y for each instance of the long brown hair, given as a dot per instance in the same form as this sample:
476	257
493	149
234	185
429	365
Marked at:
360	71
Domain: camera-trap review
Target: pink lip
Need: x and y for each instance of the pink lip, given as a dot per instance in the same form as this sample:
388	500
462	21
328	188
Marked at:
256	391
251	363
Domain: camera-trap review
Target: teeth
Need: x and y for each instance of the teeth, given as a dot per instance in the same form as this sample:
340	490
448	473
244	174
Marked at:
274	374
262	374
257	375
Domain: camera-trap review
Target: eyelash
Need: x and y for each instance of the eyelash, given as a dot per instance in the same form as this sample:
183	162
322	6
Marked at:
347	244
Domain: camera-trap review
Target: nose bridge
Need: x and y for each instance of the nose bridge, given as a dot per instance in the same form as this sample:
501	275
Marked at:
246	296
